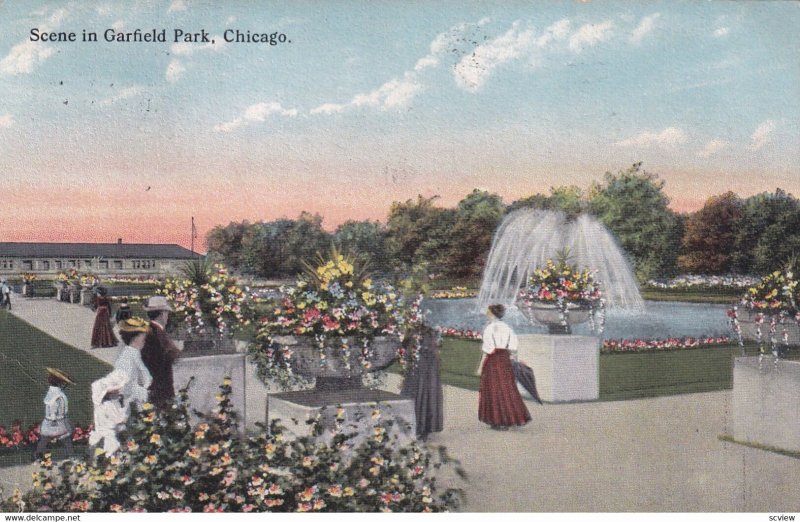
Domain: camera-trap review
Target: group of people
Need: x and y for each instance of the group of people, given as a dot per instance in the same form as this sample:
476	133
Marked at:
102	331
5	294
142	374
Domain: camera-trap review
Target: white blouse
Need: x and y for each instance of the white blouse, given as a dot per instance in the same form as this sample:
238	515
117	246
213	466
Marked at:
498	334
129	361
56	405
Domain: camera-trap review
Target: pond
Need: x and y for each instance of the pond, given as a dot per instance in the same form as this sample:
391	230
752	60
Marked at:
661	320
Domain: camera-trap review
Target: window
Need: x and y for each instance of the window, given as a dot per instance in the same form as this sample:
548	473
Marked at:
27	264
87	263
59	264
45	265
73	263
6	264
104	264
117	264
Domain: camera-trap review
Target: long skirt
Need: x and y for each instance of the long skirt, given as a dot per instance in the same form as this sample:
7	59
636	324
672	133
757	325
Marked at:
500	403
103	333
423	385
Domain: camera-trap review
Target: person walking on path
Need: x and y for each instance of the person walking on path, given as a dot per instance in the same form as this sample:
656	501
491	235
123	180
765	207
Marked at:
110	415
159	352
129	361
102	332
55	425
500	403
422	383
5	294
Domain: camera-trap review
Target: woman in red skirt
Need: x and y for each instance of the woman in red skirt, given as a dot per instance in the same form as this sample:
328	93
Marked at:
103	332
500	404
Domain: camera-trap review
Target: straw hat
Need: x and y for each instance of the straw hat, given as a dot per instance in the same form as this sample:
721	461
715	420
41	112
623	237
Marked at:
134	324
157	302
60	375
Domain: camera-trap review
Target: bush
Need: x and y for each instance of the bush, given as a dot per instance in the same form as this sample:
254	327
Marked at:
167	465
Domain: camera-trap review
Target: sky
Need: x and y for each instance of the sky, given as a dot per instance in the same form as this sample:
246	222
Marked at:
366	103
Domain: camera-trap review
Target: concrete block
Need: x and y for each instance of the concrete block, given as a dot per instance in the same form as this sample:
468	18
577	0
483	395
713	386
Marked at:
566	367
209	372
766	402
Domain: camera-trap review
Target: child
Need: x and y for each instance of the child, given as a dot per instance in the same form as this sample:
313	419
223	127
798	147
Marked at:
110	415
55	425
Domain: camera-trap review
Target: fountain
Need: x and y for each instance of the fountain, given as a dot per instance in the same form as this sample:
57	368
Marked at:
527	238
566	366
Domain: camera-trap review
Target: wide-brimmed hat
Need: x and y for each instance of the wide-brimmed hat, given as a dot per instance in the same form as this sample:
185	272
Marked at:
60	375
157	302
134	324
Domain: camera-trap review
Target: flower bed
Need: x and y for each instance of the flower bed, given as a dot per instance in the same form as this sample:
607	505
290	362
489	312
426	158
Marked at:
700	282
458	292
168	465
455	333
17	439
654	345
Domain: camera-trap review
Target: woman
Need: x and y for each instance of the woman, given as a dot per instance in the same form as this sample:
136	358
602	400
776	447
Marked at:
103	333
129	361
422	383
500	404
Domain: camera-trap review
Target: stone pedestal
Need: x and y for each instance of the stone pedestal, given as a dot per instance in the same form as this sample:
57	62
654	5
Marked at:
86	297
209	372
357	415
749	328
766	402
566	367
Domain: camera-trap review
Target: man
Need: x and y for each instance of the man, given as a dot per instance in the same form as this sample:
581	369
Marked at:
5	294
159	352
133	332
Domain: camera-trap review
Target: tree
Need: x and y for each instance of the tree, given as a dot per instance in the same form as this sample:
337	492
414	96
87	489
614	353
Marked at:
414	231
366	238
304	240
634	208
225	243
768	233
568	199
709	239
264	248
470	239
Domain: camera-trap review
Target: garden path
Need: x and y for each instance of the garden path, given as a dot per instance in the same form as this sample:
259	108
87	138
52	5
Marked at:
652	455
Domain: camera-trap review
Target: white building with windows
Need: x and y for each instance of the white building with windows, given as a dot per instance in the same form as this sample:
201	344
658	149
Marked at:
110	259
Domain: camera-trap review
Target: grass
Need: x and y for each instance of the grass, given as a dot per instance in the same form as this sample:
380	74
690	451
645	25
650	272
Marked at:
25	352
622	376
693	295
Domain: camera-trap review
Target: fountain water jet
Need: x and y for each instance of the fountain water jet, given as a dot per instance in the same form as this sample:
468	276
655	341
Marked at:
528	237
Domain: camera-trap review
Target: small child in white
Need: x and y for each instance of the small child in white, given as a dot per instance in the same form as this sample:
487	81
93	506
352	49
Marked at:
110	413
55	425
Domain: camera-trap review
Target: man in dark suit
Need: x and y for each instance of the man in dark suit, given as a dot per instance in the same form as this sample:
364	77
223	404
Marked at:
159	352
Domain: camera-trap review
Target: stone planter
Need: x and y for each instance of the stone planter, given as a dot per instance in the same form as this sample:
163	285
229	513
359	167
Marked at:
74	293
206	343
566	367
338	363
86	297
548	315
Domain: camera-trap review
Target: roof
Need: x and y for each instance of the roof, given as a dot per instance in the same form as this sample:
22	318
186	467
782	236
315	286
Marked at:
84	250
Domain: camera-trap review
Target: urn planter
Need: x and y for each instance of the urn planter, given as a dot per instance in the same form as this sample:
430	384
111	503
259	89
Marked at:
747	322
549	315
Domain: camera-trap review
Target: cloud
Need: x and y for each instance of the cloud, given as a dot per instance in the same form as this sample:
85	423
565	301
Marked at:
473	70
713	147
7	121
589	35
644	27
255	113
125	93
394	94
24	57
177	5
557	31
175	70
669	137
761	135
103	9
722	31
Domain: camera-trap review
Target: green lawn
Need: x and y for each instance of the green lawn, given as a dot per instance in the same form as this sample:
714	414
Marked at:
622	376
25	352
693	295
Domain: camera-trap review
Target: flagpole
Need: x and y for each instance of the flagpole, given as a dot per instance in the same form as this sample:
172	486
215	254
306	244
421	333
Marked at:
192	236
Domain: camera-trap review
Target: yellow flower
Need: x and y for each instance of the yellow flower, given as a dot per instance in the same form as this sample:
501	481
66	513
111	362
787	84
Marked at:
367	283
150	459
155	438
349	284
147	406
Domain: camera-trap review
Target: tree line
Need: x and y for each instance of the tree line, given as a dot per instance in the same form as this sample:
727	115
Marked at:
729	234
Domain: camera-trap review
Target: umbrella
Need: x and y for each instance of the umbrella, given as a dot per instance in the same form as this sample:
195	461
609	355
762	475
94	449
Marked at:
524	375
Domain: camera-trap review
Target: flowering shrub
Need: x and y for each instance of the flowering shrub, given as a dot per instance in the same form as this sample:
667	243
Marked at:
650	345
219	303
19	439
775	293
169	465
28	277
141	280
334	300
700	282
458	292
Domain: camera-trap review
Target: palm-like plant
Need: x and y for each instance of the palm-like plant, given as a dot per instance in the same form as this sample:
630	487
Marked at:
198	271
337	264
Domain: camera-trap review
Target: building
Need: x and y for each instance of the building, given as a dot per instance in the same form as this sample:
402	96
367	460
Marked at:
109	259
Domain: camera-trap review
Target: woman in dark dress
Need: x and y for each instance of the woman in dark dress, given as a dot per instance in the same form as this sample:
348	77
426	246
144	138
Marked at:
422	383
103	333
500	404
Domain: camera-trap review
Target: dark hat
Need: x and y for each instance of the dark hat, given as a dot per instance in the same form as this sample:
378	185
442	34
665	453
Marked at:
60	375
